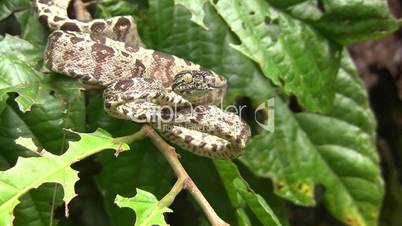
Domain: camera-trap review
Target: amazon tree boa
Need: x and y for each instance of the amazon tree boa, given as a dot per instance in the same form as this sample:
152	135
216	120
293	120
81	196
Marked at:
176	96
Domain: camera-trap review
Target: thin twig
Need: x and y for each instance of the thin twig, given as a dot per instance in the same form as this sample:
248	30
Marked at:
183	179
168	199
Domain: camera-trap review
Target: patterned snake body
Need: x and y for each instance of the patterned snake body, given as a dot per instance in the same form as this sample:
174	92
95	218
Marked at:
176	96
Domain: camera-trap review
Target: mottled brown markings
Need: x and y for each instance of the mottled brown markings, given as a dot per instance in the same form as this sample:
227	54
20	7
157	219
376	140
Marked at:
138	69
162	63
244	132
123	85
98	27
150	80
76	40
46	11
97	38
102	52
229	122
72	73
142	117
121	28
57	18
199	117
68	55
108	105
52	43
165	114
117	71
214	147
202	144
218	129
125	54
188	138
162	66
46	2
70	26
130	48
144	95
125	111
60	67
189	63
98	71
124	62
238	139
86	78
43	19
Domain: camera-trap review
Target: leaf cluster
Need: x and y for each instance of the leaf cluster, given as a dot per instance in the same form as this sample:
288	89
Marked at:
322	151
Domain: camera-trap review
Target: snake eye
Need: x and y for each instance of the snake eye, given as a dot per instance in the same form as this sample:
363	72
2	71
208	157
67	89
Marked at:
188	78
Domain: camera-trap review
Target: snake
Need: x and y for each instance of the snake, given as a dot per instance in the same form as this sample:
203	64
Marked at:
177	97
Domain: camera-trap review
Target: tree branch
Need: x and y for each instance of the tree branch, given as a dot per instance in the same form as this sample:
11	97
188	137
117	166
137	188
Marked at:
183	179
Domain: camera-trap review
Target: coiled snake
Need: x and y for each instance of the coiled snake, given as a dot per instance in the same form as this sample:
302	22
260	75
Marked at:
177	97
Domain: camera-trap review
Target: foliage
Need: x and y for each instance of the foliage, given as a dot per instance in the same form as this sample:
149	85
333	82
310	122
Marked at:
285	50
146	207
49	168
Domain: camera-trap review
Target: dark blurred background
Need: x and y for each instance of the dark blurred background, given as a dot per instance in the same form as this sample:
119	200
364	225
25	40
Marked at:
380	66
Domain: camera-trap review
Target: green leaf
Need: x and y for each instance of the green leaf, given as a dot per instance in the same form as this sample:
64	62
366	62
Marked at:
343	21
146	208
36	206
32	30
20	49
145	168
257	203
7	7
290	41
168	28
109	8
60	106
197	10
30	173
335	150
16	72
289	52
237	186
16	76
355	20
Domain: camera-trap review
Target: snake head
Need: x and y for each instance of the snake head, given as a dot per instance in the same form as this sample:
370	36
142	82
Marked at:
199	86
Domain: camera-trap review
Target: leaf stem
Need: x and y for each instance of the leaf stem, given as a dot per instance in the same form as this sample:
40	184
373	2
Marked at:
168	199
183	179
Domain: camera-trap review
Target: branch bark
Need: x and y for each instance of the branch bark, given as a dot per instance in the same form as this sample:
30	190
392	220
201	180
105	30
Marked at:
183	179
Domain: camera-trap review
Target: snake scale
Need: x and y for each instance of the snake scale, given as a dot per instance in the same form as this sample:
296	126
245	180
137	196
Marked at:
176	96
